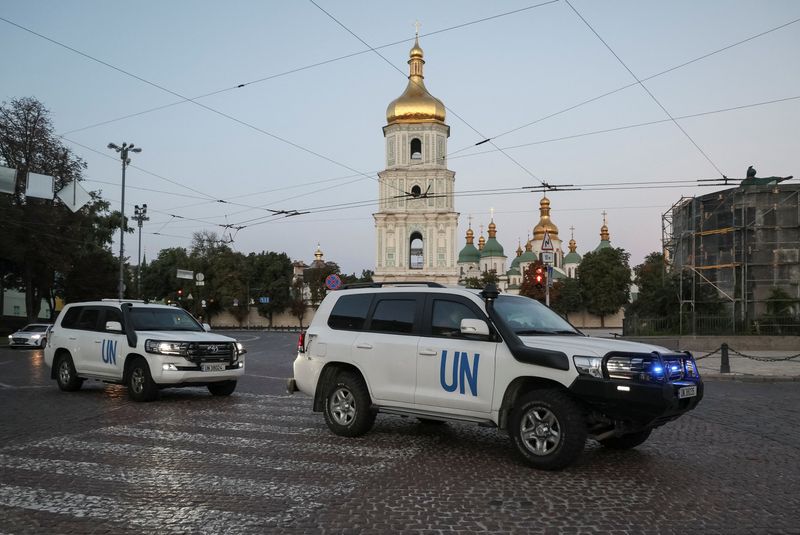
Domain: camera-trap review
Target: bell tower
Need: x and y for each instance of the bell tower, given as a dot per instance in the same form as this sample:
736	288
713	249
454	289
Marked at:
416	223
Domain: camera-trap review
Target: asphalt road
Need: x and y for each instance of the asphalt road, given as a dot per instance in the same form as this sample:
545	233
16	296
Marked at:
260	461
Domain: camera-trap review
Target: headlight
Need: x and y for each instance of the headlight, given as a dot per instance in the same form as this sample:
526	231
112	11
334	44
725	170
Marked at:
36	336
590	366
166	348
240	348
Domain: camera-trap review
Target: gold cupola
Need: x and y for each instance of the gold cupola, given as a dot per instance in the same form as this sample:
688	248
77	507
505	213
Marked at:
545	223
416	104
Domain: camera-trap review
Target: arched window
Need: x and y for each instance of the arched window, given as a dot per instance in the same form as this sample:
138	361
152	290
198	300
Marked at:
416	259
416	149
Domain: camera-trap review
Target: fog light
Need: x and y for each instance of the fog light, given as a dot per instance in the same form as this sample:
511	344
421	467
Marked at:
169	367
624	388
241	364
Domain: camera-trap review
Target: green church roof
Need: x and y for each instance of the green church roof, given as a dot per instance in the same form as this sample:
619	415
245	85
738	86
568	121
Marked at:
572	258
469	254
604	244
492	248
513	271
527	256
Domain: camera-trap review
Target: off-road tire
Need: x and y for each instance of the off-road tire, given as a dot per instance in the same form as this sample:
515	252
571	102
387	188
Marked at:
348	408
548	429
222	388
66	376
626	442
141	386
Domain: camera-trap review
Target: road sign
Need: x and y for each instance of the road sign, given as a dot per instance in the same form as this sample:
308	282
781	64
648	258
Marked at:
547	257
550	276
199	277
547	243
199	283
263	300
189	297
184	274
333	282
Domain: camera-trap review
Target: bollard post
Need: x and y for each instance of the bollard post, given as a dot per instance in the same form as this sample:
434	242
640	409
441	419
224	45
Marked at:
724	363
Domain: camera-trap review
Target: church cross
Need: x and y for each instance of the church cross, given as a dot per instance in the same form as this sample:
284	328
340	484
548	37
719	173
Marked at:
417	25
572	231
604	217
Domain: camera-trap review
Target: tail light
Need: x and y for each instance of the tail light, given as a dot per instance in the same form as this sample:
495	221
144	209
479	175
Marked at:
301	342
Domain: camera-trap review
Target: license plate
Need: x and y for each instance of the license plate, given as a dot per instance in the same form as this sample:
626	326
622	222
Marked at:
687	392
213	367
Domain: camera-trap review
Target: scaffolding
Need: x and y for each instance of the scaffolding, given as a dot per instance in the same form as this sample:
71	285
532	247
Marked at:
742	242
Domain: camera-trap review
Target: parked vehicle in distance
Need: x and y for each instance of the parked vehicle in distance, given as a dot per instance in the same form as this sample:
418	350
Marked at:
504	361
32	335
144	346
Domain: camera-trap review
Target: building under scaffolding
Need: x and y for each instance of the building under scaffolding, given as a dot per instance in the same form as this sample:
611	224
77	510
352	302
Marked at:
743	242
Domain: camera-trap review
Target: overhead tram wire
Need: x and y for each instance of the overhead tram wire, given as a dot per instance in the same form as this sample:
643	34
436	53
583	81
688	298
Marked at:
187	99
303	68
626	127
459	117
622	88
652	96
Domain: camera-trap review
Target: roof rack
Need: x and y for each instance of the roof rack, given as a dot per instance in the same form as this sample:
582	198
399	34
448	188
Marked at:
115	300
354	285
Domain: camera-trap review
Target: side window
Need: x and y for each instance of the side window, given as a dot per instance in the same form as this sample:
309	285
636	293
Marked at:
394	316
88	319
350	312
446	317
71	318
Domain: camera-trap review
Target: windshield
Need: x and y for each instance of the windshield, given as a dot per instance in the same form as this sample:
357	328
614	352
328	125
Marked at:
163	319
527	317
35	328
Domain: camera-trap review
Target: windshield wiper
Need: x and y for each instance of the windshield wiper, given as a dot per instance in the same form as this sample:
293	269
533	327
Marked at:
564	331
525	332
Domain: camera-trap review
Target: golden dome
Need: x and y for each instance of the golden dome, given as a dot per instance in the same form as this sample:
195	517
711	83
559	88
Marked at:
519	249
416	104
604	236
492	229
545	224
470	236
481	242
572	245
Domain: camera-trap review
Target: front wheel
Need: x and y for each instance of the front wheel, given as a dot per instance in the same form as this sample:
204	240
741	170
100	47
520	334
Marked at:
222	388
626	442
66	376
141	386
347	408
548	429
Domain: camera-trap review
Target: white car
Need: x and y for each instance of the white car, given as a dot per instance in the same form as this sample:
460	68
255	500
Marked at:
33	335
144	346
503	361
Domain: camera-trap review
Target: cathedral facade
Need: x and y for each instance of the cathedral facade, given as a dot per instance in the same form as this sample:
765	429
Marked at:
416	222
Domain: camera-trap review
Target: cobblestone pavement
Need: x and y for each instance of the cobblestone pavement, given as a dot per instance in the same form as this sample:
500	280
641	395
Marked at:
262	462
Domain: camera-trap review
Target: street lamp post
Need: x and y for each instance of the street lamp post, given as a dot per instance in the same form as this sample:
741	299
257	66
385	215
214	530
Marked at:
123	154
140	216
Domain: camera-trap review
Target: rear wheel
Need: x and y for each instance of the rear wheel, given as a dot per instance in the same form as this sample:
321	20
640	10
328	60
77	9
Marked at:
347	409
626	442
66	376
222	388
548	429
141	386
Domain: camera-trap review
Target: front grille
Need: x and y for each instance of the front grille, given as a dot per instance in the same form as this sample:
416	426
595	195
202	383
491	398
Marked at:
19	340
210	352
653	367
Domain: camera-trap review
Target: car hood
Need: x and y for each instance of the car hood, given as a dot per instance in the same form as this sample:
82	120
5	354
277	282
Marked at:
183	336
588	345
27	334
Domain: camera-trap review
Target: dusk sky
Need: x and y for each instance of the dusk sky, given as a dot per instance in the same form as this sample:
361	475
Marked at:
308	138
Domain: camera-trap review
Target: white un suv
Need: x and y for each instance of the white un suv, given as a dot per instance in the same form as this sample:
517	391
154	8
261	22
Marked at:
144	346
506	361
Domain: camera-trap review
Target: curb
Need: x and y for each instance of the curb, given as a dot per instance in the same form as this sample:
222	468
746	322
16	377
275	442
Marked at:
747	378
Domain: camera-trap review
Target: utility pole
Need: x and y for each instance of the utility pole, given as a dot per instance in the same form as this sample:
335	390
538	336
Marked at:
123	154
140	216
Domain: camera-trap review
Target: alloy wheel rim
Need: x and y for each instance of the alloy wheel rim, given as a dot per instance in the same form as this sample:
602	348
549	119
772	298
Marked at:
540	431
137	380
64	372
343	406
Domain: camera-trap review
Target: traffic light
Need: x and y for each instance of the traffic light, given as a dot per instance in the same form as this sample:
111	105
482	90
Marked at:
180	294
539	277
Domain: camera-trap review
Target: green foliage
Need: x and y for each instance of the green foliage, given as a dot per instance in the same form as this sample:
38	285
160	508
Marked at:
315	278
43	245
528	287
605	278
480	283
780	303
271	276
297	302
568	296
659	293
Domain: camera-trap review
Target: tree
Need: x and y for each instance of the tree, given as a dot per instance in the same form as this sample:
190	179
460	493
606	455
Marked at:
298	302
315	277
604	278
659	292
159	281
272	278
529	287
41	237
568	296
489	276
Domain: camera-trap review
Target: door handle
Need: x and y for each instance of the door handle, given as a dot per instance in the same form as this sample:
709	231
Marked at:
98	341
428	352
72	338
364	346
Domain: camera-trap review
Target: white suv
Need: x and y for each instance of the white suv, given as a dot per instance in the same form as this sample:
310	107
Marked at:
144	346
506	361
